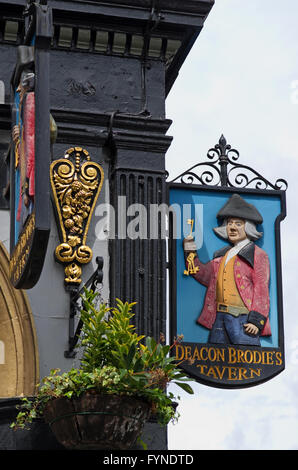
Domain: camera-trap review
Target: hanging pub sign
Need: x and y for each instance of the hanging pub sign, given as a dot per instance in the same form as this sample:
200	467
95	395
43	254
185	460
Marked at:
226	285
30	152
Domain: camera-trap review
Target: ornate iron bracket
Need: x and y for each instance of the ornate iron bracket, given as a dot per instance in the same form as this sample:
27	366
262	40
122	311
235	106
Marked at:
75	295
223	170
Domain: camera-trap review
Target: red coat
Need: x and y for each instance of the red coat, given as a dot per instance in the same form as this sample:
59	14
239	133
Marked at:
27	149
251	274
29	140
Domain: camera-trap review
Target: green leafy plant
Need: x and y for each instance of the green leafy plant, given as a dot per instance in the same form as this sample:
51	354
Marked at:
115	360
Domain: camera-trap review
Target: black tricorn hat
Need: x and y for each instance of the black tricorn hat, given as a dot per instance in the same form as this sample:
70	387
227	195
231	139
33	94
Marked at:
236	206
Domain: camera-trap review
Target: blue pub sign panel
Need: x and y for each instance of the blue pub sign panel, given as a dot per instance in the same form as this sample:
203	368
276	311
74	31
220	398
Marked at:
225	283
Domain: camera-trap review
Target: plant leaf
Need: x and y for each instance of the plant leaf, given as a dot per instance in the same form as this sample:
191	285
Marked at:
187	388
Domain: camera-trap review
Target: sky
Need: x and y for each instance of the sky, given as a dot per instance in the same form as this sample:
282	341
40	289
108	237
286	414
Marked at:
241	80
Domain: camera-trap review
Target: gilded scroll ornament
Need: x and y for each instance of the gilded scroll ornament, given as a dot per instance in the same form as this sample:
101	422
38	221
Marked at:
76	183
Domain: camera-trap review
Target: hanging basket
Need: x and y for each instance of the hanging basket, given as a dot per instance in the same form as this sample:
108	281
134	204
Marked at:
97	421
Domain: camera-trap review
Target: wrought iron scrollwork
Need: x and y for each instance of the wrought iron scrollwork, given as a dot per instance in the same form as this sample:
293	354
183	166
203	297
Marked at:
223	169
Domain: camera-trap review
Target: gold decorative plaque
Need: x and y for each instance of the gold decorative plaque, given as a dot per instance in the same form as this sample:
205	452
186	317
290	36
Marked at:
76	183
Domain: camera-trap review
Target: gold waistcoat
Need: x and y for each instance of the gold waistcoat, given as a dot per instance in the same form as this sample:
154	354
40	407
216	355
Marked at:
226	289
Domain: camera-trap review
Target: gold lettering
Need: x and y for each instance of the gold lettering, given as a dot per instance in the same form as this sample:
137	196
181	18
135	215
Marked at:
232	355
232	373
179	358
187	350
211	371
220	373
204	350
270	358
242	373
258	359
212	354
220	355
240	355
202	368
255	372
22	250
196	354
248	356
264	354
233	361
278	359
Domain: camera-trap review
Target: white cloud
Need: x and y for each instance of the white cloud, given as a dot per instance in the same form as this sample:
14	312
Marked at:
260	418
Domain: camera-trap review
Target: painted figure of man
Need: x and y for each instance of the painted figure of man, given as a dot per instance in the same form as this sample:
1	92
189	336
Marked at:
236	306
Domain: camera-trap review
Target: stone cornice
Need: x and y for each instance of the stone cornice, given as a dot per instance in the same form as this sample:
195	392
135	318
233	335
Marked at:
127	130
174	20
172	10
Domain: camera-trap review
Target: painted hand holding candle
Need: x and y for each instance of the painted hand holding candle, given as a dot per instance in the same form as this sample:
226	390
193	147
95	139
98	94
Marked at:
236	305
